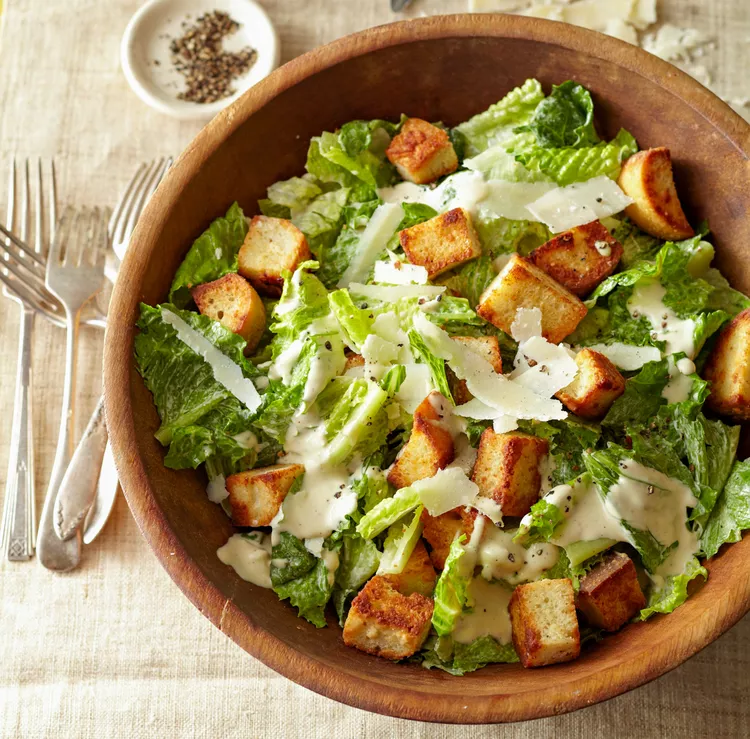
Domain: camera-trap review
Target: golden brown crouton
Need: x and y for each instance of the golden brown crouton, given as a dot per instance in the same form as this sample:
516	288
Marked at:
609	595
272	246
507	470
386	623
728	369
354	360
545	626
521	284
429	448
596	386
422	152
579	259
486	347
418	576
441	243
233	302
439	532
647	178
256	495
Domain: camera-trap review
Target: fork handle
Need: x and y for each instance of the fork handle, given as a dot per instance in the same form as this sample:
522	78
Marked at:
19	488
53	552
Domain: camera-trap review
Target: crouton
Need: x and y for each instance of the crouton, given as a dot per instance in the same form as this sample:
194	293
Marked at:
507	470
728	370
232	301
441	243
353	360
610	595
647	178
422	152
429	448
272	246
256	495
486	347
544	622
418	576
579	259
596	386
439	532
386	623
521	284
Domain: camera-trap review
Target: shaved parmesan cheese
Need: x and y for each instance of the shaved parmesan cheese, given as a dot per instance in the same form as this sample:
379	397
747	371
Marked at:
379	229
392	293
582	202
493	390
476	409
400	273
512	199
617	28
543	367
595	14
545	10
224	370
445	490
489	508
504	424
628	357
675	44
643	14
461	190
217	489
526	324
494	6
378	350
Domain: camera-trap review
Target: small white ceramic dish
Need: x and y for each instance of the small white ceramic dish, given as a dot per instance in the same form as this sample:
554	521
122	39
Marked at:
146	59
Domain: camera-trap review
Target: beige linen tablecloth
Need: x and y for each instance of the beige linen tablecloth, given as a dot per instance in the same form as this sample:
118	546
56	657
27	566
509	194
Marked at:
114	649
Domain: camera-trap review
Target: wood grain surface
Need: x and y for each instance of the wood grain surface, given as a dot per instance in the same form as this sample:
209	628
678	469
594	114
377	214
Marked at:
439	69
114	649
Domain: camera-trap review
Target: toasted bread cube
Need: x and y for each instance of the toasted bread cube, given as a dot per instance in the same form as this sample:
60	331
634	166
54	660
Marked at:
507	469
728	369
544	621
386	623
422	152
441	243
596	386
610	595
521	284
352	361
579	259
647	178
439	532
232	301
256	495
486	347
271	247
418	576
429	448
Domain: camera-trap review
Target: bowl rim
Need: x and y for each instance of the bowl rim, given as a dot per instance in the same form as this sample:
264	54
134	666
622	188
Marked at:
599	684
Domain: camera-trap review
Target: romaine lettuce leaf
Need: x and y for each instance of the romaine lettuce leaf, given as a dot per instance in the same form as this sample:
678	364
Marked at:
400	542
322	219
565	118
212	255
544	518
498	121
458	659
568	165
388	511
287	198
450	589
358	562
642	397
637	245
183	384
436	364
673	592
731	514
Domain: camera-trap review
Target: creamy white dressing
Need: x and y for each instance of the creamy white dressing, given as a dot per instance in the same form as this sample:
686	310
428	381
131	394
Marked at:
250	558
225	371
326	364
416	386
586	518
325	497
647	300
400	273
604	248
283	366
650	501
680	384
247	439
489	613
546	468
627	357
217	489
331	561
290	303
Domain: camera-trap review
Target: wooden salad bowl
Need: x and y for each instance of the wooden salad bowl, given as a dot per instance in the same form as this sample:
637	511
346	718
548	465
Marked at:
442	68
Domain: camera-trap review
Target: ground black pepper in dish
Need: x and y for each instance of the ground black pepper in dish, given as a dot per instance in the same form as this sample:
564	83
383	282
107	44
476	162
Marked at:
198	55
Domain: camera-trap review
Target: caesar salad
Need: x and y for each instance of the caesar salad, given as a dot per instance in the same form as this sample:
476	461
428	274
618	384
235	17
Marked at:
471	392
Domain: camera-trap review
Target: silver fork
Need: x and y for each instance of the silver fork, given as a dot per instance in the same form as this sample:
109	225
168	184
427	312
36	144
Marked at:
75	272
91	477
18	531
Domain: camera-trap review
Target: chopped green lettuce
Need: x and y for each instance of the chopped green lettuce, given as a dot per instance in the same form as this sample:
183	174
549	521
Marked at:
673	592
458	659
450	590
388	511
436	364
731	514
212	255
358	561
400	542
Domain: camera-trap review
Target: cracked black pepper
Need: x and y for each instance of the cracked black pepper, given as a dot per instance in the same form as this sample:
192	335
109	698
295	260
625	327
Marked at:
199	56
